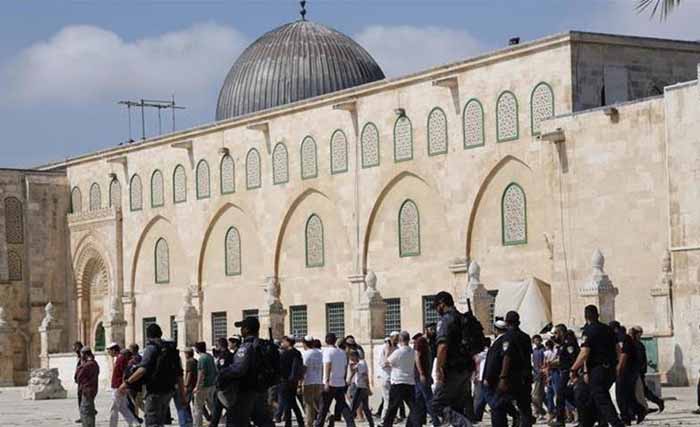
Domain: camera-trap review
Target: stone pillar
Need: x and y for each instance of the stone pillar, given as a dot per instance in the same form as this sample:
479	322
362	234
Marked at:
458	267
50	335
273	314
480	299
129	317
661	294
599	289
7	358
115	325
370	311
188	321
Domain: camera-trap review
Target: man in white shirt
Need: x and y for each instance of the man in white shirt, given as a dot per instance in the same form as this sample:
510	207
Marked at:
384	371
335	363
360	377
313	378
403	381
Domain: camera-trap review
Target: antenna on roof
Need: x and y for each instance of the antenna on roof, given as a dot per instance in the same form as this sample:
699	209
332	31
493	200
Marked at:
303	10
151	103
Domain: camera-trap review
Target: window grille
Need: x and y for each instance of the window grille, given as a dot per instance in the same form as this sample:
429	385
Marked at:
335	319
392	319
173	329
298	321
218	326
430	315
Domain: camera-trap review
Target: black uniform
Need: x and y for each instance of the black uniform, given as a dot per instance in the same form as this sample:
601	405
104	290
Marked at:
223	360
521	386
643	371
568	352
600	366
501	405
627	380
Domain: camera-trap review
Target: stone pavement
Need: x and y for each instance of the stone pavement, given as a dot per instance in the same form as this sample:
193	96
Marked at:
15	412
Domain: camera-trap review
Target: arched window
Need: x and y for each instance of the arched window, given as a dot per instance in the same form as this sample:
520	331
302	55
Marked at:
280	164
136	193
162	261
403	139
409	229
252	169
100	342
370	146
76	200
228	175
507	117
233	252
157	190
473	123
115	193
314	242
203	181
14	221
437	132
541	106
309	160
95	197
514	215
179	184
339	152
14	266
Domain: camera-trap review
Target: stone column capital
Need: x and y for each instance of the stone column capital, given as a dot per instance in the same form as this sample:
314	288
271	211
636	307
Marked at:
459	265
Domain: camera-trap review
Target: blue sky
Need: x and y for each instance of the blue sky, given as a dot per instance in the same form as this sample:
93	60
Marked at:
65	64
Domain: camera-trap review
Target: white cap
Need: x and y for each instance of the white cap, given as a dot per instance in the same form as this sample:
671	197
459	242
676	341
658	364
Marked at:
394	334
308	338
500	325
113	345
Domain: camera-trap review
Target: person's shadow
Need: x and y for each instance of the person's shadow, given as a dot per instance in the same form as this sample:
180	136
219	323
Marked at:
677	375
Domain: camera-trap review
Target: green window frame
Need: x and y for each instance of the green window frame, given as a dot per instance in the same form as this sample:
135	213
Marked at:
482	124
402	252
184	184
198	180
135	184
366	128
156	259
437	110
248	165
309	262
410	127
508	242
304	174
333	141
275	152
499	138
222	187
229	268
532	111
157	174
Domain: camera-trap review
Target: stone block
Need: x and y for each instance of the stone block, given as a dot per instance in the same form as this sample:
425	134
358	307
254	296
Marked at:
44	384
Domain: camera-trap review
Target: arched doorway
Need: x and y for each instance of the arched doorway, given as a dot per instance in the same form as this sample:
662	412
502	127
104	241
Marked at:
93	284
99	340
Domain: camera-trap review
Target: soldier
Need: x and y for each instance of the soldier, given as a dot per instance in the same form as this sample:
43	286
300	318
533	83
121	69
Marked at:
598	359
493	374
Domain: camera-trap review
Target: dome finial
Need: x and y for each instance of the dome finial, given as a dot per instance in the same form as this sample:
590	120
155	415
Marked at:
303	10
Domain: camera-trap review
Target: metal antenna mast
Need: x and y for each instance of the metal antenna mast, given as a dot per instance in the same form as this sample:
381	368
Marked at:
151	103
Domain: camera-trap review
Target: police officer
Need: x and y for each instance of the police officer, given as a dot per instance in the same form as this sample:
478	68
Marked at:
500	401
598	359
567	352
453	369
224	359
251	402
520	367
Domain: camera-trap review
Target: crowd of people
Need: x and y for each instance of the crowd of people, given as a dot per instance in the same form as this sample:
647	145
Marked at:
450	373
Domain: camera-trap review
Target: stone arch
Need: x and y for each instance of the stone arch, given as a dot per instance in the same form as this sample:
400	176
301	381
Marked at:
93	277
485	181
139	247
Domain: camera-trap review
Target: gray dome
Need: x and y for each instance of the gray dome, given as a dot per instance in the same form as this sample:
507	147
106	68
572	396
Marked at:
296	61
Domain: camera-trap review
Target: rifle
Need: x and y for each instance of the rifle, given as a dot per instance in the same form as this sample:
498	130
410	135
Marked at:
469	305
269	332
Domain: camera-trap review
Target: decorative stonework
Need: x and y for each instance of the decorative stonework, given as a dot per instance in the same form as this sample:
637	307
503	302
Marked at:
252	169
309	160
228	175
541	106
233	252
162	261
314	242
661	295
44	384
157	190
473	123
370	146
115	194
280	164
14	221
179	184
76	200
136	193
437	132
91	216
514	211
203	180
403	139
14	266
188	321
599	290
95	197
409	229
507	117
339	152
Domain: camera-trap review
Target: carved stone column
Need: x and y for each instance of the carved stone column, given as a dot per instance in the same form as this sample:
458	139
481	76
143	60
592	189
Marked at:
599	289
370	312
115	325
7	358
661	294
273	314
130	318
480	299
188	322
459	268
50	335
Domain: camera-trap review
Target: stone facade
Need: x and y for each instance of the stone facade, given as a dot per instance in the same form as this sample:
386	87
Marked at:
348	211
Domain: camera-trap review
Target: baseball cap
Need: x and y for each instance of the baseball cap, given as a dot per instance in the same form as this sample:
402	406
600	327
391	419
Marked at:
251	323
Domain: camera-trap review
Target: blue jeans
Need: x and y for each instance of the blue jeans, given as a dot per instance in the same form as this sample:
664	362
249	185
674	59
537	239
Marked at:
424	401
184	412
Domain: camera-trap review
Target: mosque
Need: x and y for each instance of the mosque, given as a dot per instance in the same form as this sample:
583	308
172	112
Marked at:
327	198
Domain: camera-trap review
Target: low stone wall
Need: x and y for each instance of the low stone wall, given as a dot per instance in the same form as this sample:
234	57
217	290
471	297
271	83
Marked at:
66	362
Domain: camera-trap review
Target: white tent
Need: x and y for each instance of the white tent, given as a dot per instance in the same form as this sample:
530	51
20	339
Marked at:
532	298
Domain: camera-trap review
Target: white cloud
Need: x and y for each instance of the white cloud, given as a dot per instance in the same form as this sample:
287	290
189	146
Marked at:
91	64
405	49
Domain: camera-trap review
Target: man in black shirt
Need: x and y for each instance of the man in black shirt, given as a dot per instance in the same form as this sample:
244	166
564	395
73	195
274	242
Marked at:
628	369
637	333
224	358
521	366
497	378
598	358
567	353
453	369
291	371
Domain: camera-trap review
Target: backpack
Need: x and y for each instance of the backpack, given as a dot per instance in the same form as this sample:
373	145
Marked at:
267	364
166	368
473	338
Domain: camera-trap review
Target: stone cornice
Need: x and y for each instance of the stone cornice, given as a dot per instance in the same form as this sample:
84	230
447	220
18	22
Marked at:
93	217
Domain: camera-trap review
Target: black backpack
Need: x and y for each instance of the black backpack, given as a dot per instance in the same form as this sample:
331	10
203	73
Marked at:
473	338
267	364
166	368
